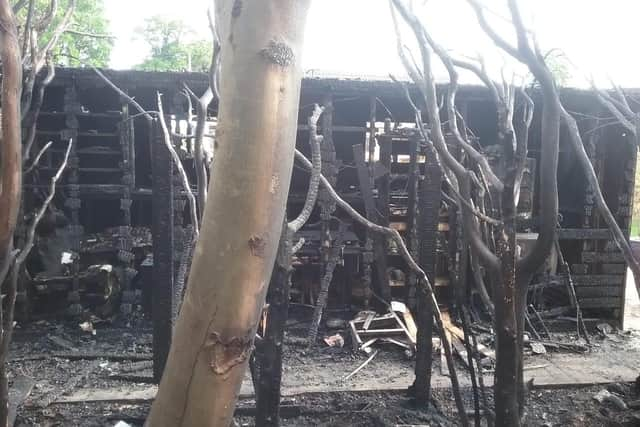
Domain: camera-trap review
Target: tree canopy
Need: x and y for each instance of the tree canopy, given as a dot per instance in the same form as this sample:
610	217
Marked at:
173	46
86	42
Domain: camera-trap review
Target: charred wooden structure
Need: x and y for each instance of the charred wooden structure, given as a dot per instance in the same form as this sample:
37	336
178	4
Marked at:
121	184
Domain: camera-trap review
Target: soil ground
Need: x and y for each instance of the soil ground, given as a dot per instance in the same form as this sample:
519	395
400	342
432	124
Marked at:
71	377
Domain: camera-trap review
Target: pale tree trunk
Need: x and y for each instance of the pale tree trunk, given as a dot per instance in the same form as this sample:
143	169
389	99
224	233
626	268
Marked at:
10	139
10	170
260	90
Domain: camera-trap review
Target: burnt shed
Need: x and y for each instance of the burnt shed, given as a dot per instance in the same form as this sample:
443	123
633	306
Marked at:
120	177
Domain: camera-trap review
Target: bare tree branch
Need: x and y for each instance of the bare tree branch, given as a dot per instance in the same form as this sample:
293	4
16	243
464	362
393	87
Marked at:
178	163
131	101
27	27
30	119
26	249
202	104
87	34
314	181
424	283
19	5
36	160
42	25
461	174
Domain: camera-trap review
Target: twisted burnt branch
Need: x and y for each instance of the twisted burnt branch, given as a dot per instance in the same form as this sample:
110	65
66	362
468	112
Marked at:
312	193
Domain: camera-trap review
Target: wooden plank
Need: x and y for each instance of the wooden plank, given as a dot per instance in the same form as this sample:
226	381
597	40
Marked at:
584	234
616	268
579	268
598	280
124	394
598	291
368	332
593	257
607	302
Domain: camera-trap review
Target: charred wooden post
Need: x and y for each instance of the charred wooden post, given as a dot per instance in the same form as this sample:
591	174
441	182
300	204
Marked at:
384	197
412	217
430	195
125	242
73	201
366	192
181	235
625	211
330	171
163	247
373	243
323	295
272	345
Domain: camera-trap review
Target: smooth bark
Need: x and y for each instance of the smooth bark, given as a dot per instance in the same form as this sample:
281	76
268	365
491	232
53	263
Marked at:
10	145
260	90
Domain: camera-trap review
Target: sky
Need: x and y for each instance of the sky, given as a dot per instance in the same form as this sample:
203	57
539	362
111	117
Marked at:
355	38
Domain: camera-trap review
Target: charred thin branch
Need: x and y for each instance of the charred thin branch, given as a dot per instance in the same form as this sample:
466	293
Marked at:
465	203
129	99
202	104
30	119
178	163
314	182
26	249
36	160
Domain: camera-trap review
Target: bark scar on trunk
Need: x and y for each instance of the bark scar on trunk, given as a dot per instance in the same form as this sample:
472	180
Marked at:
257	246
275	184
278	53
224	354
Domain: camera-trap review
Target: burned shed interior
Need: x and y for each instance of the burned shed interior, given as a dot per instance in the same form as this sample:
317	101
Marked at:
111	261
121	188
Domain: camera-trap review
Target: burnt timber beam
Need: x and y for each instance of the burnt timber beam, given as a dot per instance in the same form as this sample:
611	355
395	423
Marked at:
584	234
366	190
600	257
330	171
598	280
270	349
429	210
383	185
162	232
412	217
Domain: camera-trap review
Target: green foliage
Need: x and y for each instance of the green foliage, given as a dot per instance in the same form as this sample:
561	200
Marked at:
558	64
171	49
75	49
